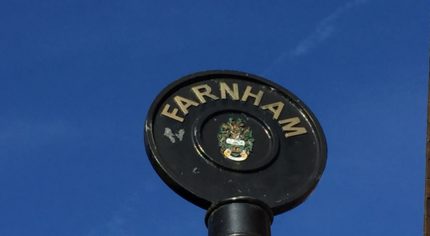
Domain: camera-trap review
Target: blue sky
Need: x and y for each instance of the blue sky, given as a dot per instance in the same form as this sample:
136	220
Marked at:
77	78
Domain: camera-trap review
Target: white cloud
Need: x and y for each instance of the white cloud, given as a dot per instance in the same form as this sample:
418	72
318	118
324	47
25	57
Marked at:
18	133
118	223
324	29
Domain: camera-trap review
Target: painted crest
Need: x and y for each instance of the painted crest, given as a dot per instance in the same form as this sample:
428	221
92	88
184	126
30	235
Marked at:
235	139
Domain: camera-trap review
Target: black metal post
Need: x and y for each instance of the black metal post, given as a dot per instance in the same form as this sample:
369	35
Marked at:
239	218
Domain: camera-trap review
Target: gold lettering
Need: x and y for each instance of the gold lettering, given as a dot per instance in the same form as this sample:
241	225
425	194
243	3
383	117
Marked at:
224	89
184	103
248	93
289	128
276	108
171	114
203	90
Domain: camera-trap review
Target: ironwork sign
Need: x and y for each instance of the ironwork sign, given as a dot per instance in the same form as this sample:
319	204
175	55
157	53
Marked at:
220	135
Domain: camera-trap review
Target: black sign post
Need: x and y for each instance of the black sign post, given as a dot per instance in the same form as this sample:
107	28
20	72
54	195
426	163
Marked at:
236	144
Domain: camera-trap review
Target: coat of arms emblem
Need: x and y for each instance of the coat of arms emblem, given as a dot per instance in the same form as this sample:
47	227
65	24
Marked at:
235	139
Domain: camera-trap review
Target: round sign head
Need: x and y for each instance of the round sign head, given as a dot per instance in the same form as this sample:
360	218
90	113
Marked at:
219	135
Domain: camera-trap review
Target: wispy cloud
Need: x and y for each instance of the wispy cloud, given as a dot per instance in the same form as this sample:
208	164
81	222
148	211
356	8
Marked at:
118	224
140	214
26	134
323	31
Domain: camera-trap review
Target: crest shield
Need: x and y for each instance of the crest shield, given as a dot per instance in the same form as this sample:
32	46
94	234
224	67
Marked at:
235	139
